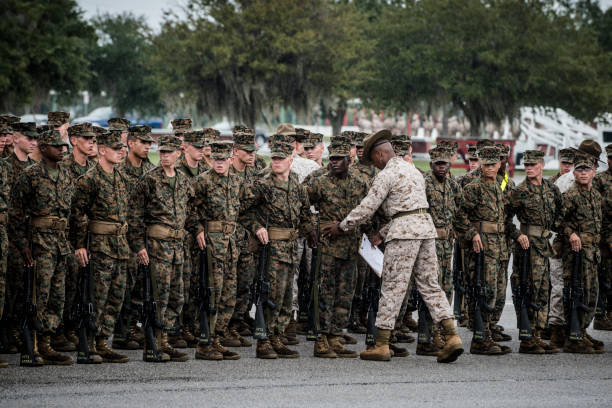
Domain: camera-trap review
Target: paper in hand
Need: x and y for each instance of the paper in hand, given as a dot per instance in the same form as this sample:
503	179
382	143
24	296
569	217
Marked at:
372	255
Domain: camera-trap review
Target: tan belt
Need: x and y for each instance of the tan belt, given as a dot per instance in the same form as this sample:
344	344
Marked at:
159	231
49	223
492	227
3	218
282	234
107	228
226	227
535	231
411	212
443	232
589	239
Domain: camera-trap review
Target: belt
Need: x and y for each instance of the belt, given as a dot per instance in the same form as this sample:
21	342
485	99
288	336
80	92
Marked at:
492	227
411	212
107	228
589	239
49	223
535	231
159	231
282	234
3	218
226	227
443	232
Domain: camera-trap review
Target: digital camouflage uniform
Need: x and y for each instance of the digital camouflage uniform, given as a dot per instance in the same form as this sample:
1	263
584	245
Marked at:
260	163
4	244
603	184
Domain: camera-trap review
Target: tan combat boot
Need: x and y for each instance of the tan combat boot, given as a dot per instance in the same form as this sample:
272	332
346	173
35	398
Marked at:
346	339
189	337
174	354
108	354
580	347
59	342
230	340
264	350
72	337
176	340
453	347
427	349
281	350
438	338
227	355
49	355
597	345
380	351
208	352
339	349
531	347
602	323
291	334
557	336
397	351
410	323
322	348
548	349
486	348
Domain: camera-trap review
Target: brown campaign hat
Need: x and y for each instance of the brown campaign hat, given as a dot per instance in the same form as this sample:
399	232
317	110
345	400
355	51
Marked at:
371	141
286	129
589	147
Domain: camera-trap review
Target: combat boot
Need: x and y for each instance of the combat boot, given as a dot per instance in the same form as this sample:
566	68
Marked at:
499	335
108	354
580	347
281	350
125	344
322	348
289	341
380	351
59	342
602	323
72	337
291	334
346	339
548	349
302	328
339	349
208	352
427	349
229	340
557	336
453	347
137	334
356	327
149	357
244	329
49	355
597	345
233	334
403	337
174	354
437	338
546	333
264	350
486	348
531	347
410	323
3	364
227	355
15	338
188	336
176	339
397	351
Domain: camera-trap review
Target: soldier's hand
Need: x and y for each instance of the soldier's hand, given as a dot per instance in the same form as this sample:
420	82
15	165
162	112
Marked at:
312	239
143	257
575	242
524	241
376	239
330	230
477	243
201	240
262	235
28	260
81	256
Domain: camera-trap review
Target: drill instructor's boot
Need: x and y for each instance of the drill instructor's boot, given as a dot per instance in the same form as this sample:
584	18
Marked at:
281	350
339	349
380	351
49	355
264	350
174	354
453	347
557	336
597	345
322	348
397	351
108	354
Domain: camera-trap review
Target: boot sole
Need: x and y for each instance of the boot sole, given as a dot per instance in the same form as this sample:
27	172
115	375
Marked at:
58	363
231	357
118	361
326	355
406	354
208	359
268	357
427	354
453	355
180	359
347	355
375	359
288	356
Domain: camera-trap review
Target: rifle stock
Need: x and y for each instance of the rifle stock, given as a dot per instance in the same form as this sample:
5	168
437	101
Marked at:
523	298
87	317
575	300
315	287
152	325
204	296
480	299
261	294
30	324
424	330
458	283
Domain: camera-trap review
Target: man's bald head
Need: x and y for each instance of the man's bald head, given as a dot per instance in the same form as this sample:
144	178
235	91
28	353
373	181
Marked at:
381	153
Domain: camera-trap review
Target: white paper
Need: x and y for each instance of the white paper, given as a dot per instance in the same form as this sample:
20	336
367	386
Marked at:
372	256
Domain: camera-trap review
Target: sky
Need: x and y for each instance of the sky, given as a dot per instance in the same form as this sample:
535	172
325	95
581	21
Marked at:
153	10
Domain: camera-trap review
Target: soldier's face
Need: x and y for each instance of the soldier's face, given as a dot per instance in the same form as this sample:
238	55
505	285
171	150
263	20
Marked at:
565	167
248	158
113	156
534	170
359	152
3	139
280	165
584	175
64	130
194	153
315	153
207	151
95	150
440	169
85	145
168	159
339	165
299	148
221	166
490	170
474	163
24	143
52	153
139	148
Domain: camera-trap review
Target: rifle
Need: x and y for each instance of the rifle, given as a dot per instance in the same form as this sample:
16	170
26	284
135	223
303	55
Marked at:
304	289
314	305
458	283
480	299
204	297
30	324
151	324
573	297
372	297
87	316
604	290
124	315
424	331
523	298
261	293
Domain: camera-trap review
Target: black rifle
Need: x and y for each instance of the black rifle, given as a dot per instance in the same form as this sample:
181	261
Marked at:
303	288
124	319
314	301
151	324
86	315
261	294
458	283
372	297
523	298
573	297
424	330
30	324
604	291
204	297
480	299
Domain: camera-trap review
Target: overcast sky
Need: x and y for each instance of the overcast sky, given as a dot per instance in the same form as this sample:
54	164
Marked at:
154	9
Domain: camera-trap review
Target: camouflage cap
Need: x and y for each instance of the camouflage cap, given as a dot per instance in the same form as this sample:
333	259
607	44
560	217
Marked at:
489	155
279	138
440	154
169	143
358	138
210	135
110	139
301	134
484	143
448	145
99	130
582	159
286	129
26	128
181	125
566	155
118	124
43	128
609	150
57	118
51	138
141	132
221	149
472	153
7	120
281	149
5	130
350	135
84	129
313	140
244	138
533	157
340	146
401	144
504	150
194	138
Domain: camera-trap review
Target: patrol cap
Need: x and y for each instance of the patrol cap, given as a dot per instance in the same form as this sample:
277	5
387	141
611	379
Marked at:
566	156
194	138
110	139
181	125
286	129
301	134
57	118
533	157
140	132
609	150
26	128
583	160
340	146
169	143
472	152
8	119
244	138
43	128
118	124
504	150
99	130
282	138
401	144
372	141
484	143
358	138
448	145
51	138
489	155
350	135
210	135
440	154
281	149
84	129
313	140
221	149
5	130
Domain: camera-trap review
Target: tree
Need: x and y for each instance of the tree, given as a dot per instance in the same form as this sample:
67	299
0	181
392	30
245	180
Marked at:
121	62
43	47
